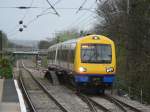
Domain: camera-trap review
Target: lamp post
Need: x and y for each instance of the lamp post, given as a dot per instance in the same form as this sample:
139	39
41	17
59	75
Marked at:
128	6
1	45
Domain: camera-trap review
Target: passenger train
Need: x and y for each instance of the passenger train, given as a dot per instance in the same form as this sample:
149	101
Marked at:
87	62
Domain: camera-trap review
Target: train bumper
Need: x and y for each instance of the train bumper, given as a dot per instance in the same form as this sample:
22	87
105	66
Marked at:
82	79
97	79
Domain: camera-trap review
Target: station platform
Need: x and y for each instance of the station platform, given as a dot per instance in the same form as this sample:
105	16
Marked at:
10	98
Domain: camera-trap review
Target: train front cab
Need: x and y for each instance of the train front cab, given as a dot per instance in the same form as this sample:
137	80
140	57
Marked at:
95	63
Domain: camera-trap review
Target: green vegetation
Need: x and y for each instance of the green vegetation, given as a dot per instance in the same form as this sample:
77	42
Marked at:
127	23
60	37
5	59
5	69
43	44
44	62
67	35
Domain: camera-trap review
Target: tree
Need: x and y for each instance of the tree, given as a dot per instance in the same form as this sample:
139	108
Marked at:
67	35
5	68
3	40
127	23
44	44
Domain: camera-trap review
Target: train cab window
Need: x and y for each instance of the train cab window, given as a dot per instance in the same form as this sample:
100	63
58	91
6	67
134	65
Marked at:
96	53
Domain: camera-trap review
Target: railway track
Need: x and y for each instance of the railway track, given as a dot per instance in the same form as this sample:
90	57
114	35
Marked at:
123	105
104	103
110	104
75	106
91	104
38	97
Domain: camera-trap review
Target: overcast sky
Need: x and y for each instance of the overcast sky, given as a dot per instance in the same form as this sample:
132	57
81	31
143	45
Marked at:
47	25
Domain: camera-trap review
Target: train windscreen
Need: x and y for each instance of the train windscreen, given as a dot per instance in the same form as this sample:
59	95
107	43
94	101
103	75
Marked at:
96	53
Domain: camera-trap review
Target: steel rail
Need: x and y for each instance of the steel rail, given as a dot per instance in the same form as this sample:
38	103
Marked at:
125	104
99	106
117	103
88	102
26	94
46	91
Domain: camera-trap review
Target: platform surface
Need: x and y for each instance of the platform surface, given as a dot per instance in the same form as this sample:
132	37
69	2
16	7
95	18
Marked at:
9	92
9	101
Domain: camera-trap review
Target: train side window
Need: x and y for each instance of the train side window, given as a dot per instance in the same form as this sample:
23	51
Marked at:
63	54
67	53
72	55
59	53
53	55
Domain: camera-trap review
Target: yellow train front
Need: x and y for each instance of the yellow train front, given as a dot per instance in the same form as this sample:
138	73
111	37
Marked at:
89	61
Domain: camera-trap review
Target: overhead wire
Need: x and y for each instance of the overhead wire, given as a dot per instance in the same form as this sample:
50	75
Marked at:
84	23
82	5
46	8
87	23
53	8
80	22
34	19
80	19
58	1
30	5
12	34
28	10
43	13
85	20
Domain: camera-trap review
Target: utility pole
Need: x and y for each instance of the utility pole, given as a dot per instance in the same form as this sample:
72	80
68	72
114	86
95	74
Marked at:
128	6
1	44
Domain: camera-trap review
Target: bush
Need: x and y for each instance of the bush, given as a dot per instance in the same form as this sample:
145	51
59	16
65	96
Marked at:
5	69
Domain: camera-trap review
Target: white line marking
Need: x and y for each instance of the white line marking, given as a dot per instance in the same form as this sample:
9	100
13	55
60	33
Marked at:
20	96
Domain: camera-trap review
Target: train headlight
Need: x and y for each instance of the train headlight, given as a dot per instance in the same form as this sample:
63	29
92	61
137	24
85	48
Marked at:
82	69
109	69
95	38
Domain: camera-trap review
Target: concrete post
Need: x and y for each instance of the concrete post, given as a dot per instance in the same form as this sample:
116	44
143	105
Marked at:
1	46
141	94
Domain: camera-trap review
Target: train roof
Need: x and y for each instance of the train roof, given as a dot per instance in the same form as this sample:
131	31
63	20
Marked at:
79	39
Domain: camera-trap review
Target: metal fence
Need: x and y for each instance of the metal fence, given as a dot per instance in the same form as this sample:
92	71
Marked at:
135	94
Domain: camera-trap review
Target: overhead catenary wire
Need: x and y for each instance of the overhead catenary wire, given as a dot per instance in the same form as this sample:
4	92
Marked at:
85	23
82	20
82	5
58	1
46	8
53	8
34	19
47	11
13	33
30	5
79	19
44	13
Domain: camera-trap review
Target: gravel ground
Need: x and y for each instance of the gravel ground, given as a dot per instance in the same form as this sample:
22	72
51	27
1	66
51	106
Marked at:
41	101
63	95
71	101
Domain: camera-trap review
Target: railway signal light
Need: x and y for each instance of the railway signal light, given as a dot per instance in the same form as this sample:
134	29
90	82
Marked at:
20	29
24	26
20	22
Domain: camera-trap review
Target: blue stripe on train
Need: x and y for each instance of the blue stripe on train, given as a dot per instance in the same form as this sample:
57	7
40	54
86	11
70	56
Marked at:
86	78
